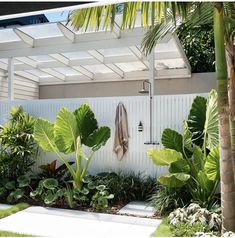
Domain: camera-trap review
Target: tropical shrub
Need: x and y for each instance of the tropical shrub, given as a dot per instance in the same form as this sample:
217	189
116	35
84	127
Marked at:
48	191
198	45
70	132
187	229
126	187
166	199
14	190
183	218
100	198
52	171
18	148
193	157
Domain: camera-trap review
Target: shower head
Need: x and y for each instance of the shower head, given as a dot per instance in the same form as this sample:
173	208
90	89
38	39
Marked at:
143	90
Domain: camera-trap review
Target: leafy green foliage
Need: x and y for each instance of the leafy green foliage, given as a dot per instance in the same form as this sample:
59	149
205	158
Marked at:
100	198
165	199
51	171
172	139
174	180
188	229
18	148
46	191
196	119
196	168
198	44
70	131
212	164
126	187
14	190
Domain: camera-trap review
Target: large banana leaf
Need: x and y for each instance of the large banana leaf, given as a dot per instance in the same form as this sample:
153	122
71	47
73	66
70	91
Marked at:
164	156
197	118
86	121
44	134
66	131
98	138
175	180
212	165
211	122
172	140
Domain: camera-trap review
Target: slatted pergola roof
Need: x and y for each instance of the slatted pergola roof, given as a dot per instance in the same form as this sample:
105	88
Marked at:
54	53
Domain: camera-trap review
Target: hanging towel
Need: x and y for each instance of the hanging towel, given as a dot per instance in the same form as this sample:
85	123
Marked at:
121	132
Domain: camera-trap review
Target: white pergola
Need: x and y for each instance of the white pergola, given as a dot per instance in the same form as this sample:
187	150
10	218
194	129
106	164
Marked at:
54	53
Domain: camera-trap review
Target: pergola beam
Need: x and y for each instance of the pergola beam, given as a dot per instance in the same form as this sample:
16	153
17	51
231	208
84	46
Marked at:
136	51
98	56
29	40
70	35
64	60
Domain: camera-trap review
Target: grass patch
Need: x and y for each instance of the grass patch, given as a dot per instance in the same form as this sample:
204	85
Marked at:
163	230
15	208
12	234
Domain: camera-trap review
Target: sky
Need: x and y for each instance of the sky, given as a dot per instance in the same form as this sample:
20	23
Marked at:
57	16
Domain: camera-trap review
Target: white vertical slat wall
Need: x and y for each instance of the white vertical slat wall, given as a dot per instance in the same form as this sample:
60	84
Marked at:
169	111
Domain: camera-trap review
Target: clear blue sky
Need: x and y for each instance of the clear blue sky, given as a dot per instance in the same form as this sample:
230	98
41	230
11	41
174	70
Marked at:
57	16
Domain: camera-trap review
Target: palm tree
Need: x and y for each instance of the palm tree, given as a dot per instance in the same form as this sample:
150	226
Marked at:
163	17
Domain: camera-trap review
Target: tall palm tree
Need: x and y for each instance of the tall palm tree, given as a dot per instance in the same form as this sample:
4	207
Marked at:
163	17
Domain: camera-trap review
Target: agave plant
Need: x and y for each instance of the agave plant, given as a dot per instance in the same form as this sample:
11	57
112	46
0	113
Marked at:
70	132
193	158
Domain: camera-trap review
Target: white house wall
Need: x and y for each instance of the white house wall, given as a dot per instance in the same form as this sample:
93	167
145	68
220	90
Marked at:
24	89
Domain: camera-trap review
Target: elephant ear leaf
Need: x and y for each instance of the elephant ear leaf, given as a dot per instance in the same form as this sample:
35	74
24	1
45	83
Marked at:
211	122
174	180
187	137
172	140
86	121
44	134
212	165
164	156
179	166
66	131
197	118
98	138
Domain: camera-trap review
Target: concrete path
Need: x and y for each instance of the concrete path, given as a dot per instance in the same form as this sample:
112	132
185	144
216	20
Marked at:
55	222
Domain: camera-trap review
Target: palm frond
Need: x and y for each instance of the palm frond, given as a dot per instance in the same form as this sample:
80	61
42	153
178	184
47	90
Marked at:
158	32
150	12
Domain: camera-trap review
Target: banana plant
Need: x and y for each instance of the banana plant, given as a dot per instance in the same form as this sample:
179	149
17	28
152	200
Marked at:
70	132
193	157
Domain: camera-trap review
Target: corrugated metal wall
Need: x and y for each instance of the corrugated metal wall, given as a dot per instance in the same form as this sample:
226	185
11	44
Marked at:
24	89
169	111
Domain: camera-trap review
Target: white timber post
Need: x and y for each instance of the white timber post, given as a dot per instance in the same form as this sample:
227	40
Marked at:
11	78
152	89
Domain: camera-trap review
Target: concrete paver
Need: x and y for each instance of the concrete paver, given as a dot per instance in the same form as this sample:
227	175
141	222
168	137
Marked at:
53	222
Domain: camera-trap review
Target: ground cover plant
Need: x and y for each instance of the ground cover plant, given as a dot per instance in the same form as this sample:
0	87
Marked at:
193	157
191	221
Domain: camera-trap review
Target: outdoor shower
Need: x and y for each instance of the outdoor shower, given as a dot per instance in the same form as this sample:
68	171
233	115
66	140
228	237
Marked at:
144	90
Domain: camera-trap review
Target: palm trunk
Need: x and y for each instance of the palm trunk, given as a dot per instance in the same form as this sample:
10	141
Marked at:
227	177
